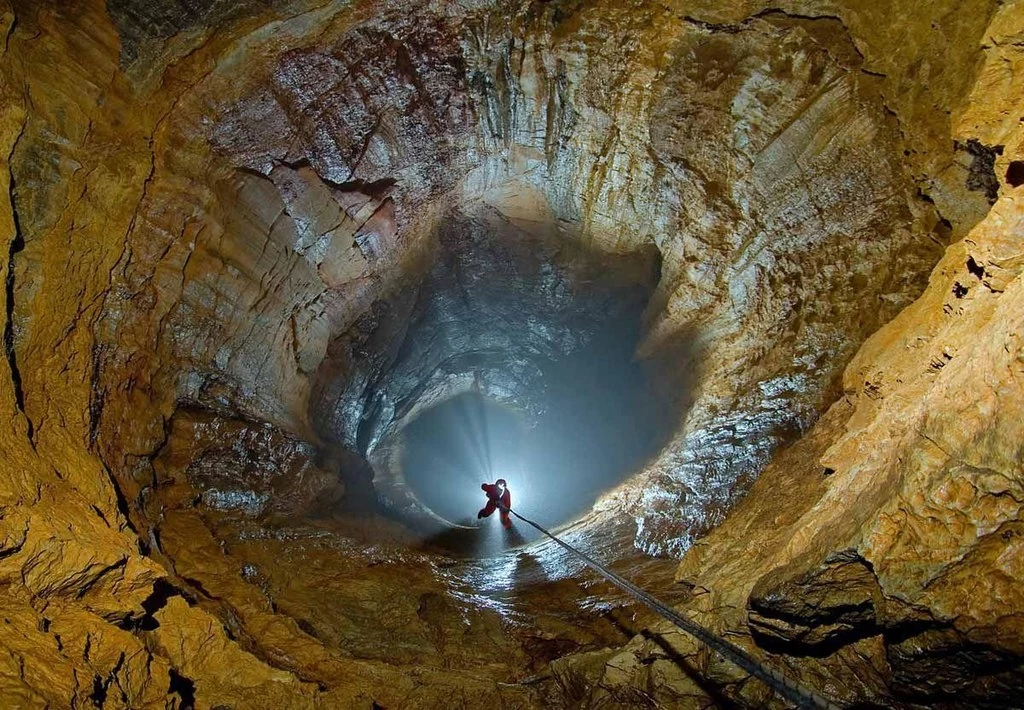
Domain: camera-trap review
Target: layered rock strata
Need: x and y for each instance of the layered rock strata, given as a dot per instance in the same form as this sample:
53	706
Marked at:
217	221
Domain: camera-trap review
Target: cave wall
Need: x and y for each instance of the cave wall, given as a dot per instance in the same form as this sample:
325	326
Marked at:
71	568
899	541
196	215
738	148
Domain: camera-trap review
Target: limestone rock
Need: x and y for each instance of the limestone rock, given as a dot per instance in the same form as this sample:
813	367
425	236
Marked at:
244	246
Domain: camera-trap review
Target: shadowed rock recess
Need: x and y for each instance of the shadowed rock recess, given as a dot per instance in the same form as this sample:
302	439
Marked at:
730	291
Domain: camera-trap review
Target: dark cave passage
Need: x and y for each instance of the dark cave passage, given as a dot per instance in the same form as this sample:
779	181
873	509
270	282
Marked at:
600	416
513	356
455	446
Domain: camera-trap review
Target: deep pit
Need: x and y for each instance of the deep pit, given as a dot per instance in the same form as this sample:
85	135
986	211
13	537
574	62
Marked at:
730	293
453	447
512	356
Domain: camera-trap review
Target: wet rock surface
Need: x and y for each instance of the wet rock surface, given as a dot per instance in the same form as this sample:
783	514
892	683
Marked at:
248	241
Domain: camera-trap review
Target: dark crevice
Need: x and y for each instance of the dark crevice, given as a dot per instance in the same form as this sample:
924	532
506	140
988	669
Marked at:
97	397
819	612
102	517
122	502
246	171
101	686
6	552
981	173
162	592
721	28
940	667
99	692
810	618
198	586
775	15
306	627
184	688
1015	173
16	246
906	630
378	189
818	649
976	269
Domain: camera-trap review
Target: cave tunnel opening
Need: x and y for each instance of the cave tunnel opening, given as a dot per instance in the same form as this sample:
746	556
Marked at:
517	362
458	444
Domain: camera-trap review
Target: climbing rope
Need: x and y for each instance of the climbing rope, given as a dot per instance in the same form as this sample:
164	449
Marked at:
791	690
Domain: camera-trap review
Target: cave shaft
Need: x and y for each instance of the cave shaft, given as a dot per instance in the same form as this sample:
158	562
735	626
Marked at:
743	277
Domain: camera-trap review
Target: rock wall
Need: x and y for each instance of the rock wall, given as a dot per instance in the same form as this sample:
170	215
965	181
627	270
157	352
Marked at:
205	207
898	540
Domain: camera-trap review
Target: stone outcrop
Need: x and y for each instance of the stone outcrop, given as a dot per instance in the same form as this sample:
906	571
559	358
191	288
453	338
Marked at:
241	251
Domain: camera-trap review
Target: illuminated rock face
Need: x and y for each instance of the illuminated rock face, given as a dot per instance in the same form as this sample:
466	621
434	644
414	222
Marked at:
526	319
247	245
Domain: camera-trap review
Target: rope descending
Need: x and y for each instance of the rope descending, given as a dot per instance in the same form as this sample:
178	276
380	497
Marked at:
789	689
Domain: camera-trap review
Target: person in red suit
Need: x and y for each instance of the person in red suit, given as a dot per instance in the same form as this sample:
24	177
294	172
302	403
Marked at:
497	493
